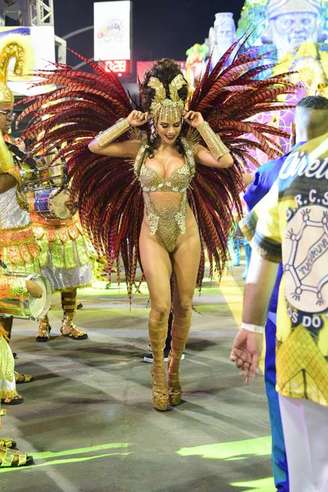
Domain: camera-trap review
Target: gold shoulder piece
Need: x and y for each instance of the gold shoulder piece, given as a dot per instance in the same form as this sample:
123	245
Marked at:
140	159
189	155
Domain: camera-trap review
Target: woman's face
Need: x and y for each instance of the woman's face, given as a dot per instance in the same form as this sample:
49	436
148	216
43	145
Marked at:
168	132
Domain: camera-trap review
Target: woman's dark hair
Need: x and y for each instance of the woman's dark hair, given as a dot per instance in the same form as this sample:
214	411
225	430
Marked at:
165	70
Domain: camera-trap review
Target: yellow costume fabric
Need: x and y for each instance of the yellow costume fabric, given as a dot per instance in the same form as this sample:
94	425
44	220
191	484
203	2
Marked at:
18	248
7	370
64	251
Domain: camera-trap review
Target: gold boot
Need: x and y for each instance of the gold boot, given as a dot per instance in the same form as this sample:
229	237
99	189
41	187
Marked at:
180	331
175	391
157	336
160	390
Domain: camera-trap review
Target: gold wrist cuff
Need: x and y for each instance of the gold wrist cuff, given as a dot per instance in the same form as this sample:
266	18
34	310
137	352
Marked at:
212	140
107	136
7	163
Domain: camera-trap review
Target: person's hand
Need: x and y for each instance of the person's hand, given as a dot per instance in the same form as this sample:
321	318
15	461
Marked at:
193	118
137	118
245	353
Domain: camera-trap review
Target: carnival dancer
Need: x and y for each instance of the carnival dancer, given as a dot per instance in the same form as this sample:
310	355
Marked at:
177	199
9	456
8	391
65	255
18	248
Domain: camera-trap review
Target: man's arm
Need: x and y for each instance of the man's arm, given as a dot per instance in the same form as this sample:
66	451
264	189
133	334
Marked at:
247	345
258	289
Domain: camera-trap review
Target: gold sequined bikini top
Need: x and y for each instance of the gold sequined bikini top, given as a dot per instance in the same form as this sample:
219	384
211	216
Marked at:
168	222
151	181
180	179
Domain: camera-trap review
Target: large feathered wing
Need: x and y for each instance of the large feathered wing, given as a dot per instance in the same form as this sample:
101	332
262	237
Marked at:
228	97
107	190
78	106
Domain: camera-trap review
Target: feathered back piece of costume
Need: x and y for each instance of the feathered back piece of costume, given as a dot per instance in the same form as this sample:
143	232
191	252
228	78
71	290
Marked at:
107	190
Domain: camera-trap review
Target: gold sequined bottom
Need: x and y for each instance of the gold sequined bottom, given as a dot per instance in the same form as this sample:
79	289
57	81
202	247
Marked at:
167	223
168	232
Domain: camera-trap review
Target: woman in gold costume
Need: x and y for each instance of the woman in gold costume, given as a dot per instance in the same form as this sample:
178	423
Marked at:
177	200
169	241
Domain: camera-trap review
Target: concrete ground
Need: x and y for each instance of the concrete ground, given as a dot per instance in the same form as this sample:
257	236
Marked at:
88	420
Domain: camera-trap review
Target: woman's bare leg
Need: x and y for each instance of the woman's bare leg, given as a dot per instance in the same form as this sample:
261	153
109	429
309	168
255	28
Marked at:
157	268
185	266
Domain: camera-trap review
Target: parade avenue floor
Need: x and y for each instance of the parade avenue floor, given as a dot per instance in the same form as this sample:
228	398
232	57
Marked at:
87	416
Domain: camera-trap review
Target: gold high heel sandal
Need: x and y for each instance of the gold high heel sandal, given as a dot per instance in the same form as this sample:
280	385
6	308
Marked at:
160	390
70	330
13	457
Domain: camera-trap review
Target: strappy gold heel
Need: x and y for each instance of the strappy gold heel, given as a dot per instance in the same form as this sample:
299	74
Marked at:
70	330
11	458
160	390
44	330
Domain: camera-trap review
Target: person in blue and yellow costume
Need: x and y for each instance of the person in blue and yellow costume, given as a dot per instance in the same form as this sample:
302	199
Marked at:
289	225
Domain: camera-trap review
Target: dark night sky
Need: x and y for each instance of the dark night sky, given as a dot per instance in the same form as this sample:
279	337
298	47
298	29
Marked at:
160	28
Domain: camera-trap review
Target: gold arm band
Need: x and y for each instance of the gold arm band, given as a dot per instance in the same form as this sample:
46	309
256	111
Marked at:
112	133
7	164
212	140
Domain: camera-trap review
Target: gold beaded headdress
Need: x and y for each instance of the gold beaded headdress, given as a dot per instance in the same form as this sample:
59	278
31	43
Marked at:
11	49
167	109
